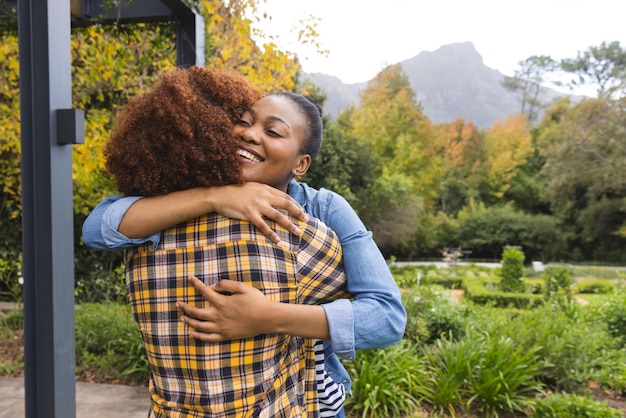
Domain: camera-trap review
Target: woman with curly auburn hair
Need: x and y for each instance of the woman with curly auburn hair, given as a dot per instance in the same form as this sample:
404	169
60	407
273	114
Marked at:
277	137
186	117
178	135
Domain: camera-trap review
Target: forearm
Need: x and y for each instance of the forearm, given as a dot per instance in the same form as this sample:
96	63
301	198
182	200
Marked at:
250	202
150	215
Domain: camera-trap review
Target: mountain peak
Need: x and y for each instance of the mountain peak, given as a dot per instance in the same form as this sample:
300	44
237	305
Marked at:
451	82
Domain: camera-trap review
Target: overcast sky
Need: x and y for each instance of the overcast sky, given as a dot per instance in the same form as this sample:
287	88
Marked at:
364	36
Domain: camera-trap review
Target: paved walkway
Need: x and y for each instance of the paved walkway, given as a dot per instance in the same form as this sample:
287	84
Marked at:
92	400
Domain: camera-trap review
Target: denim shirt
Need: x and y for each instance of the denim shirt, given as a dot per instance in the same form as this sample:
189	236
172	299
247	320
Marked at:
375	318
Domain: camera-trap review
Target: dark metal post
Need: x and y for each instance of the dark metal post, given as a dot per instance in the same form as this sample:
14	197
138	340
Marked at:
47	211
190	40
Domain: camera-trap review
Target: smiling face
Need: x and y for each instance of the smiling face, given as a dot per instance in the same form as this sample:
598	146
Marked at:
270	136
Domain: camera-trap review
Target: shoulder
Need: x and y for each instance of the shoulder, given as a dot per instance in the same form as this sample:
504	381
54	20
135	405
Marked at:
318	240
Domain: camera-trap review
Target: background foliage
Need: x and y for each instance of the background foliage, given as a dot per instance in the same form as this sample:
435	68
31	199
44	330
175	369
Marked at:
556	187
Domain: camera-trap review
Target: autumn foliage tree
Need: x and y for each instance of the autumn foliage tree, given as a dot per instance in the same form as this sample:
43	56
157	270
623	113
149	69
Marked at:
393	127
461	145
110	64
508	145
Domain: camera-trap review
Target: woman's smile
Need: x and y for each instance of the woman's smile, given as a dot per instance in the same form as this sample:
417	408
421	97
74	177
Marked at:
248	156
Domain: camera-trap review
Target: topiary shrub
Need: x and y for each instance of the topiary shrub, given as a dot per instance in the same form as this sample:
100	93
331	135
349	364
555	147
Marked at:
512	269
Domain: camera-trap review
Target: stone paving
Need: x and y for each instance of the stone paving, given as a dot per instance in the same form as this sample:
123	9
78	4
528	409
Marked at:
92	400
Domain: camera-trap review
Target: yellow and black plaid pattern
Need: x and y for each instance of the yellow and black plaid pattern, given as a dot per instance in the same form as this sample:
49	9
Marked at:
271	375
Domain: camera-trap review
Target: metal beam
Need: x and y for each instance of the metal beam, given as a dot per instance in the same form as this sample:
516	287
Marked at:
190	40
47	210
189	23
130	11
48	125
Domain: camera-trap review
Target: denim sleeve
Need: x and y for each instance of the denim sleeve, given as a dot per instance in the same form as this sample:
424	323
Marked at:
377	313
100	228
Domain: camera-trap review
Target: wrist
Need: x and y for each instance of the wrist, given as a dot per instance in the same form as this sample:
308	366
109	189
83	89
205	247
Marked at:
213	198
308	321
272	319
208	199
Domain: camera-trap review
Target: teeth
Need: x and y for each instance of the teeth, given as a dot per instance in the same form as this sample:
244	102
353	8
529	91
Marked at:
249	156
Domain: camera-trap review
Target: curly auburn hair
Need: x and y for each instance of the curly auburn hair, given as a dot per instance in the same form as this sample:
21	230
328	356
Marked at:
177	135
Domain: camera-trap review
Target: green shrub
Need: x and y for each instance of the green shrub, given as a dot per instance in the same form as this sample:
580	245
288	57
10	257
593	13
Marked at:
595	286
487	292
433	314
613	313
487	231
562	405
559	282
384	381
102	283
504	377
11	323
446	369
536	286
12	320
11	282
407	276
487	375
573	346
512	269
108	342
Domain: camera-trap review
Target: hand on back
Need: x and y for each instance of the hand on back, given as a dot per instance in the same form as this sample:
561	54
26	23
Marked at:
253	202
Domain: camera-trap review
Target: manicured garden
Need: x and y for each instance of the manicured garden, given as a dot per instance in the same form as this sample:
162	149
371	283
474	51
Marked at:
479	342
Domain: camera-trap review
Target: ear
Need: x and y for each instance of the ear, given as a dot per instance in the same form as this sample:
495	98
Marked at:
302	165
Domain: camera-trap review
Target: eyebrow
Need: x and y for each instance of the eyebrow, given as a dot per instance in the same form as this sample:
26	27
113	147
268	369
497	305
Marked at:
275	118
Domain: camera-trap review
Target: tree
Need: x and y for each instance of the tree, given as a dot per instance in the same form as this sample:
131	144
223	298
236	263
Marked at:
10	195
507	147
462	151
10	180
528	80
232	41
603	66
486	231
391	210
343	165
111	63
399	133
584	179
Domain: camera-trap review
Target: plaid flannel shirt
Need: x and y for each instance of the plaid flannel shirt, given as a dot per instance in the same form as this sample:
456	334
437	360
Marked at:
271	375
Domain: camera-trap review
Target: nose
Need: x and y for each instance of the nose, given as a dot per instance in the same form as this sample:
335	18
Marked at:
249	135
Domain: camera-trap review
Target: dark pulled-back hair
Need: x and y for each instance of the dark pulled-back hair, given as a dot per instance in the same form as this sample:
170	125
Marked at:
177	135
312	112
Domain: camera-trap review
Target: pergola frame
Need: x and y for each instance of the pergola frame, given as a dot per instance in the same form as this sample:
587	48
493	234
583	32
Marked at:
48	126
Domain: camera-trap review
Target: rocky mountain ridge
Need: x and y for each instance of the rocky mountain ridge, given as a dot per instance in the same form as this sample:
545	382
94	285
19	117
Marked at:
449	82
